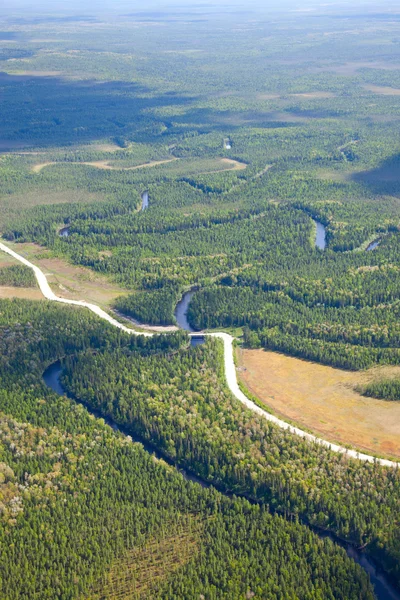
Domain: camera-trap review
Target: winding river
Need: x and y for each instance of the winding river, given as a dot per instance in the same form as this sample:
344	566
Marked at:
181	311
52	378
229	365
320	238
382	586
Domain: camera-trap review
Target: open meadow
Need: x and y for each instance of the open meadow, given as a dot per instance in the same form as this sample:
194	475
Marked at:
325	400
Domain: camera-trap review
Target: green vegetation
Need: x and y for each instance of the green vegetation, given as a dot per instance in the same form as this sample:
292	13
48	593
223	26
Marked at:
179	402
249	247
17	276
80	498
94	112
155	307
386	389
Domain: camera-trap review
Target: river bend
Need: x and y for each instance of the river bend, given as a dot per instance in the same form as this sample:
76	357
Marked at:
229	363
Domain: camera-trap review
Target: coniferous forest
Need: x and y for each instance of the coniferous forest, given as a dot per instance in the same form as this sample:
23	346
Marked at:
250	155
87	502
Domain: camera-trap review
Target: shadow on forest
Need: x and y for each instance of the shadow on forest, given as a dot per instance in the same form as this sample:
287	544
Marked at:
210	119
385	179
50	111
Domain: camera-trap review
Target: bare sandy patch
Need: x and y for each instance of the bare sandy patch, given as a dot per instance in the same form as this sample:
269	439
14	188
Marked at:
106	147
38	168
384	91
316	95
103	164
267	96
324	399
38	73
234	164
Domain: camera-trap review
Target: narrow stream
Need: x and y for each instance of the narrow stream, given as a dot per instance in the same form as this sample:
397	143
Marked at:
384	590
64	232
52	378
320	238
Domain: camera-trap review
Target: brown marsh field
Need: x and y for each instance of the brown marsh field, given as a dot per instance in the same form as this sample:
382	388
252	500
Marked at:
324	399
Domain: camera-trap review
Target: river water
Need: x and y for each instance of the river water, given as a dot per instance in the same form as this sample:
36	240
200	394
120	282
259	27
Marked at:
182	320
64	232
373	245
320	239
383	588
52	378
145	200
181	311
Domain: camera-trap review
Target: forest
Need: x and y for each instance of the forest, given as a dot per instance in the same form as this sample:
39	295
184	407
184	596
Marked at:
86	500
246	128
250	248
17	276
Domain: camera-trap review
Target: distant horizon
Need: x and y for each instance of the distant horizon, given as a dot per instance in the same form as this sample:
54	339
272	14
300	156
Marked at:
88	7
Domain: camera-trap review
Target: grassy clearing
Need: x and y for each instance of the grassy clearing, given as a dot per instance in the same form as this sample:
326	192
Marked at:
324	399
231	165
7	292
12	205
70	281
6	260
